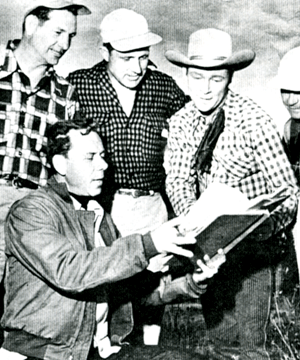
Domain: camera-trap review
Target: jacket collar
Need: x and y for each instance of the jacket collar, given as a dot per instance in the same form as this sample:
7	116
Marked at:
60	189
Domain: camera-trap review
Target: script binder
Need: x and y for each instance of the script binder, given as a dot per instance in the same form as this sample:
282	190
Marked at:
226	231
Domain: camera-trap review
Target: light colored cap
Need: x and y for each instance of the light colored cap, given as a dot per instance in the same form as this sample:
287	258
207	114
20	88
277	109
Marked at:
126	30
211	49
289	70
56	4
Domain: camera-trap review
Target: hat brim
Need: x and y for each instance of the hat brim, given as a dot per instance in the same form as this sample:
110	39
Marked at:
81	9
137	42
237	61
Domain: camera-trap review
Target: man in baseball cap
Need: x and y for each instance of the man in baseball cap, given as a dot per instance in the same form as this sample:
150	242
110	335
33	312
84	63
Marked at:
131	102
32	97
221	136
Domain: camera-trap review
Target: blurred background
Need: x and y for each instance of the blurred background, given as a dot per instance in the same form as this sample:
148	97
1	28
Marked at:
269	27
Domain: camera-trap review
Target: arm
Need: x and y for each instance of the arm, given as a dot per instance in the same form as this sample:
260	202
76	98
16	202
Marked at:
51	244
190	286
55	252
277	170
181	179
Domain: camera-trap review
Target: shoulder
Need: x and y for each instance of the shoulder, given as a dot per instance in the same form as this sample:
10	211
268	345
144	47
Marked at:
245	113
156	75
186	113
88	73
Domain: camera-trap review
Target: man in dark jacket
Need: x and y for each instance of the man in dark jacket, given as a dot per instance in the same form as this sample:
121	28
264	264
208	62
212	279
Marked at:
69	282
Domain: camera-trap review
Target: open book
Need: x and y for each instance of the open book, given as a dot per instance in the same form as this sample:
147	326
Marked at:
224	217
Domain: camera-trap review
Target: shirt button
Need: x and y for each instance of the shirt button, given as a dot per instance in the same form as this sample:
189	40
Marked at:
20	153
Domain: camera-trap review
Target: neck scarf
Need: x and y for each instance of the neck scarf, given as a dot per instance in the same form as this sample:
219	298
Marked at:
205	150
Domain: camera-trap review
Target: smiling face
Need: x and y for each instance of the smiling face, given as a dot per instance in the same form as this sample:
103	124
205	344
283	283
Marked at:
291	101
128	68
52	38
85	164
208	88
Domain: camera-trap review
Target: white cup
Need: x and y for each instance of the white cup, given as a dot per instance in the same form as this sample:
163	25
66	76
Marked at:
151	334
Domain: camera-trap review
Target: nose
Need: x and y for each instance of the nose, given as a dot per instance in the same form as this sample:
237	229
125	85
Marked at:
291	99
205	86
136	66
101	164
64	41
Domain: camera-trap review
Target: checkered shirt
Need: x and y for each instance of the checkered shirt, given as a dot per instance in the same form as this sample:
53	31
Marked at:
25	117
248	156
134	144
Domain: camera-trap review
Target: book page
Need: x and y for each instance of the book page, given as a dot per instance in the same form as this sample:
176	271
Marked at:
216	200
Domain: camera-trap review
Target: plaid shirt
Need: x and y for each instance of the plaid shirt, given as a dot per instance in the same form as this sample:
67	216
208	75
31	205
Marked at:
248	156
25	117
134	144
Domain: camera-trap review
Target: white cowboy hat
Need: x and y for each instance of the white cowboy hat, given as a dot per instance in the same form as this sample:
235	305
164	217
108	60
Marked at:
289	70
56	4
211	49
126	30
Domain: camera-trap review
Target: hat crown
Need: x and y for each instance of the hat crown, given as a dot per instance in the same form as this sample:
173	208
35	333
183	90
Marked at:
289	70
122	24
209	45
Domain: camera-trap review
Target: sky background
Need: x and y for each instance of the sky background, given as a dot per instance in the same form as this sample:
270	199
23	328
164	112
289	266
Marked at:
269	27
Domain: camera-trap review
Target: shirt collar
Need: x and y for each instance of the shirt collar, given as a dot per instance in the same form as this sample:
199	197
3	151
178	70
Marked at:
10	63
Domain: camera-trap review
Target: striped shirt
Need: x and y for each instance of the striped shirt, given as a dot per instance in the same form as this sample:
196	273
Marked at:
133	143
25	117
248	155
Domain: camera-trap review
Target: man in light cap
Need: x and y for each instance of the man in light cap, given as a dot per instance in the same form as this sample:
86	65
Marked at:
131	104
33	96
221	136
289	82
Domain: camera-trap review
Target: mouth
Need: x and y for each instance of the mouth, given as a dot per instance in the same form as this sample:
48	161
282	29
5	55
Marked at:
58	54
133	77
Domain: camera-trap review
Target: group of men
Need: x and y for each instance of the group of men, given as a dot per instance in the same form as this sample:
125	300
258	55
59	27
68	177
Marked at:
73	273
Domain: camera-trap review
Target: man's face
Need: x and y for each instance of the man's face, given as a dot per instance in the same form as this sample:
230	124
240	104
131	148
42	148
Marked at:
85	164
52	38
207	88
291	101
128	68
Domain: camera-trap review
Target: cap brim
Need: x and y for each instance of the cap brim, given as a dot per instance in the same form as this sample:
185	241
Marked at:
237	61
81	9
137	42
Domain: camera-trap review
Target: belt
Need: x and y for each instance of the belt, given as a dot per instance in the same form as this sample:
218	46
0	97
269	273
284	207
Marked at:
17	182
135	192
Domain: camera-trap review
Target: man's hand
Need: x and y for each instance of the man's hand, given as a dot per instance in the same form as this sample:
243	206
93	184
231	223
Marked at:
209	268
159	263
167	239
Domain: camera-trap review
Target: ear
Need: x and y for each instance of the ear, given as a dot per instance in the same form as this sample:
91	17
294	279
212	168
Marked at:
60	164
31	24
104	53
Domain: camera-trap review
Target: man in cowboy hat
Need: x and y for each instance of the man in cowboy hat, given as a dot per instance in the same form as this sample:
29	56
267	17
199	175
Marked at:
131	103
32	97
221	136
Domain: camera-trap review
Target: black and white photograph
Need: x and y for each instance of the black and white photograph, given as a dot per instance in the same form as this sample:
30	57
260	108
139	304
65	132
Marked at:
149	180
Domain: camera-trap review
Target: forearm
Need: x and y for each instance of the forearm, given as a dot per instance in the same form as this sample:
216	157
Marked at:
35	241
180	289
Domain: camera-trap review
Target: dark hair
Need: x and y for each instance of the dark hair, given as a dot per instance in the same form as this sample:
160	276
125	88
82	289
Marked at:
59	142
42	13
